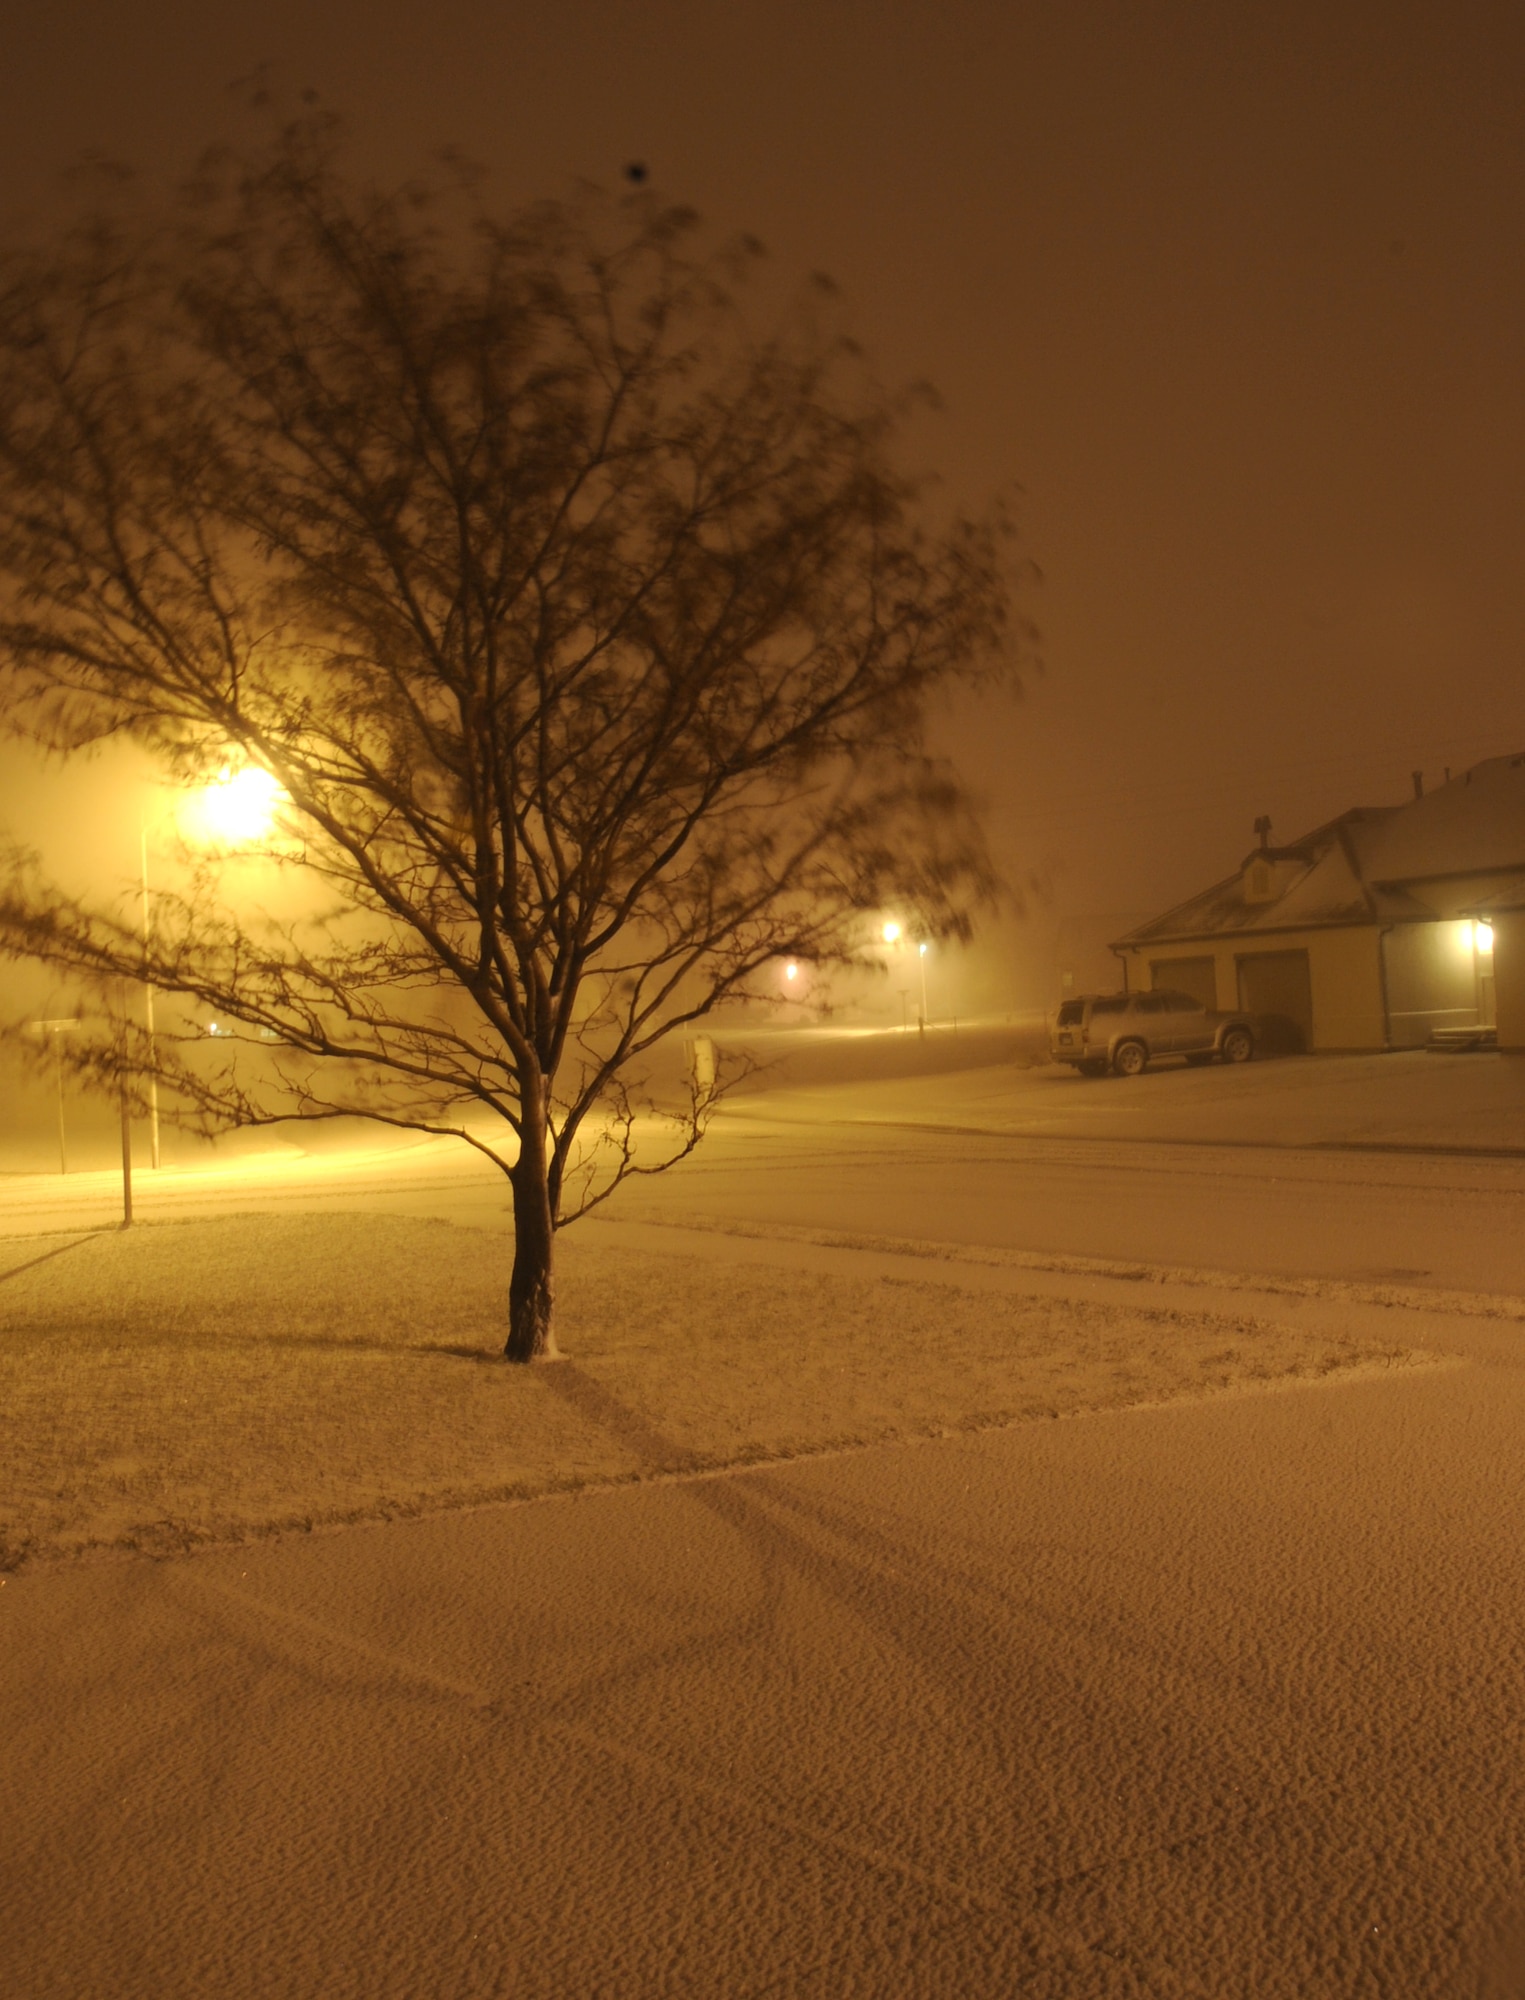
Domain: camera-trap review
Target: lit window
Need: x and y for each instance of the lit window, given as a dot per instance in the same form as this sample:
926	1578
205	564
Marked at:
1483	933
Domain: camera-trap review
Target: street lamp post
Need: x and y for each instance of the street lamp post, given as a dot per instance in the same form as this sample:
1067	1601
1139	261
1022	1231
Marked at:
921	954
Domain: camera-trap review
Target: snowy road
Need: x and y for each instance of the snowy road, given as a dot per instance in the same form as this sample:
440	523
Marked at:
1423	1218
1454	1223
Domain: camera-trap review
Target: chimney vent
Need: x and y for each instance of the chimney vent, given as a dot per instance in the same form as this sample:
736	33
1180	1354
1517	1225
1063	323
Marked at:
1263	828
1418	784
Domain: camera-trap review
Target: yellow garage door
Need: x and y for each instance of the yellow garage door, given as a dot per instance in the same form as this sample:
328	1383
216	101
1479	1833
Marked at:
1276	986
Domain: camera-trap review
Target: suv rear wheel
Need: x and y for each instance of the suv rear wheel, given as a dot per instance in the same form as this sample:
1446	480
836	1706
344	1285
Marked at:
1129	1058
1237	1045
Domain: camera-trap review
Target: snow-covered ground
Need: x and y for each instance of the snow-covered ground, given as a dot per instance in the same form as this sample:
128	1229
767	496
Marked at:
780	1642
220	1379
1410	1099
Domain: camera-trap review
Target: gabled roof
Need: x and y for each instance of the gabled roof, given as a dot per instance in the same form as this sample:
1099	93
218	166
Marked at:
1327	890
1368	865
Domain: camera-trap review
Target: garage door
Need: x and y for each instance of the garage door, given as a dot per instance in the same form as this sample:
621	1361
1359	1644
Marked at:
1276	985
1196	976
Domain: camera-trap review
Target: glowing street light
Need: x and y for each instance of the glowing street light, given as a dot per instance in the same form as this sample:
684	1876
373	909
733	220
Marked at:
892	932
791	970
239	807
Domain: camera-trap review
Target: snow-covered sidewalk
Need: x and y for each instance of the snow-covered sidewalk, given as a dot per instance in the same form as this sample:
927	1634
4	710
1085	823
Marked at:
1215	1699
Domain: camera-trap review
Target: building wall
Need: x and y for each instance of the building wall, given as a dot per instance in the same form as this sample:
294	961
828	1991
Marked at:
1435	978
1344	968
1509	977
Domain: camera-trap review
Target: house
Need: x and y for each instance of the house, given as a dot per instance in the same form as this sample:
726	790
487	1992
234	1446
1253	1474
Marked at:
1375	931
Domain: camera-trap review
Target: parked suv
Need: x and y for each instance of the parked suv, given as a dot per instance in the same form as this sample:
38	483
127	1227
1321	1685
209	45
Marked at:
1126	1031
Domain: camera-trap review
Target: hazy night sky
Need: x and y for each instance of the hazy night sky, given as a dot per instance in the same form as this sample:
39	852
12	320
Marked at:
1234	293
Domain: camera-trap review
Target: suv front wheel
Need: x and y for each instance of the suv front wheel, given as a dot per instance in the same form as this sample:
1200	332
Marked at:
1129	1058
1237	1045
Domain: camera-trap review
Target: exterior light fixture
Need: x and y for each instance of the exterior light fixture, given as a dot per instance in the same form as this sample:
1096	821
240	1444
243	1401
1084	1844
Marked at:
1483	932
892	932
791	970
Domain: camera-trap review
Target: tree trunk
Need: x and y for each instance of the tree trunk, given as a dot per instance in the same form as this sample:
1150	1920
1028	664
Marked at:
532	1287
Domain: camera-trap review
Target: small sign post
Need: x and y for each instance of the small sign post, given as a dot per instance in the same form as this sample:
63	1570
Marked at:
55	1029
126	1158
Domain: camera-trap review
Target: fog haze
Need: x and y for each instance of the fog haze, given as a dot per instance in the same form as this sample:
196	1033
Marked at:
1235	300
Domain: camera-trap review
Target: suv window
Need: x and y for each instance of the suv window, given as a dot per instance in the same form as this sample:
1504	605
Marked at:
1071	1012
1119	1005
1182	1003
1153	1003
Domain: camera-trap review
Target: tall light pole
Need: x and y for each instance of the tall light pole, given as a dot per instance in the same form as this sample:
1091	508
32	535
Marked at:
921	954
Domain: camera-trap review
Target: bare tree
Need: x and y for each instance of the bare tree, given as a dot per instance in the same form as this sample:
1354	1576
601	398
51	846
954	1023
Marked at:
589	635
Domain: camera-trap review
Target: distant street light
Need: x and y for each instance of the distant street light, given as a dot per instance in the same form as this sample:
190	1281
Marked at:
892	933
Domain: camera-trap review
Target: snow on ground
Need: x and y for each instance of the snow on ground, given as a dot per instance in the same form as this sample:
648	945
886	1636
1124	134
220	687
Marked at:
1219	1697
212	1380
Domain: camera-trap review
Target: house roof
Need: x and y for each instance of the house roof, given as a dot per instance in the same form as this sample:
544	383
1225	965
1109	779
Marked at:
1474	825
1368	866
